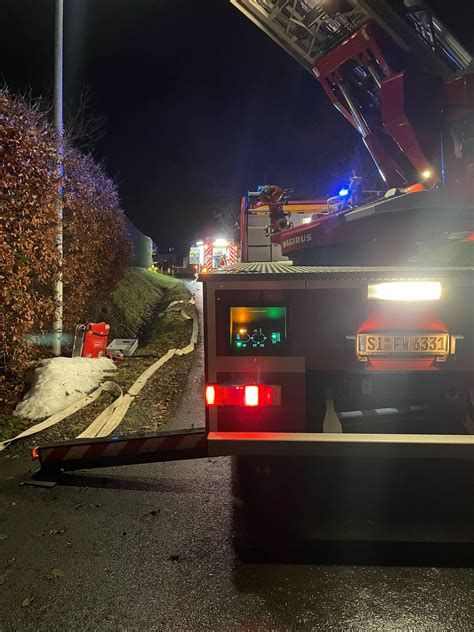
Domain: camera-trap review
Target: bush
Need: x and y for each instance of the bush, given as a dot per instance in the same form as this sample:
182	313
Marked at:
96	245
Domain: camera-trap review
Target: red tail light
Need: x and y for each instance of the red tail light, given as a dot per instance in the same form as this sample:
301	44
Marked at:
242	395
210	395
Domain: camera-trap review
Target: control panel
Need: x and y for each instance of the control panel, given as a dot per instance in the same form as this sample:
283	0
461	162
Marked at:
257	329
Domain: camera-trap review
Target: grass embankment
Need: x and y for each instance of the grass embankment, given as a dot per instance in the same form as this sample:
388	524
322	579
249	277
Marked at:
136	309
135	298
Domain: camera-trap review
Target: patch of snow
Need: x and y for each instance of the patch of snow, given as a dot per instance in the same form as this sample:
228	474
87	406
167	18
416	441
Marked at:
59	382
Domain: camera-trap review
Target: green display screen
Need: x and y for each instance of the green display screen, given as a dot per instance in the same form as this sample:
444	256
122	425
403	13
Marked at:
257	328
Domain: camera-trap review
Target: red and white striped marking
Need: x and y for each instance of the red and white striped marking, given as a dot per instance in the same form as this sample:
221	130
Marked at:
208	247
122	447
233	254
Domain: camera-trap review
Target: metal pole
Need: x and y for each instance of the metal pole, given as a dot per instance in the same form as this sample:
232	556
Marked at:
353	107
374	75
58	122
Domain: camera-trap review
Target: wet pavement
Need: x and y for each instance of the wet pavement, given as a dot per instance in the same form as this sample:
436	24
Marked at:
172	546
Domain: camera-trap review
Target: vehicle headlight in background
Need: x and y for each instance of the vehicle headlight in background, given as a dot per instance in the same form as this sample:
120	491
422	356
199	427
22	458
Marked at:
405	291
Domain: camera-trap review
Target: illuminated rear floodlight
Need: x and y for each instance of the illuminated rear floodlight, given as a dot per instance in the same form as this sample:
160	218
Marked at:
251	396
406	291
343	192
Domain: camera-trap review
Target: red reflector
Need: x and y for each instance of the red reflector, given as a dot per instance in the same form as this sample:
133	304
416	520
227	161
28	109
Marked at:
251	395
267	395
210	395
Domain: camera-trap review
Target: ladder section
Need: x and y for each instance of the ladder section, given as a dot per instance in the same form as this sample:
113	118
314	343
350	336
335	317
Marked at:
308	29
302	27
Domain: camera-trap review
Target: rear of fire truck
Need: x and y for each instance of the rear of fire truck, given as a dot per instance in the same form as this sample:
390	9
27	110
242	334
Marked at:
342	360
338	378
351	355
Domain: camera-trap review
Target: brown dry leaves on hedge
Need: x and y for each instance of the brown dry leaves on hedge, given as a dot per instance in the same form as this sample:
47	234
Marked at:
96	244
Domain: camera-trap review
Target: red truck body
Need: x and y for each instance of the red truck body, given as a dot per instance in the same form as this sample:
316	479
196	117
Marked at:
385	367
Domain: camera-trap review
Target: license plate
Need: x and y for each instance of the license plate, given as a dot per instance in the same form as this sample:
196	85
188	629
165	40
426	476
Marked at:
401	344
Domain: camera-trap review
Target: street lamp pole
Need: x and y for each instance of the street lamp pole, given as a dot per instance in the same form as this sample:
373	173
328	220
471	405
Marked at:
58	123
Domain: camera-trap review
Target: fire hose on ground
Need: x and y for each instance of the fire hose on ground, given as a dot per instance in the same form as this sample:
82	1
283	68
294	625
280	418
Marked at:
105	423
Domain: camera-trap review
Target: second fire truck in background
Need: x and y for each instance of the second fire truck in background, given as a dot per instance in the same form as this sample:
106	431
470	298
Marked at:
211	254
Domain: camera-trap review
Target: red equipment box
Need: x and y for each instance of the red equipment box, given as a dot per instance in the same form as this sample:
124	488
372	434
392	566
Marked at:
90	340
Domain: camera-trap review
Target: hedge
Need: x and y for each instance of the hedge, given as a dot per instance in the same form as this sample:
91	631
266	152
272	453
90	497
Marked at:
96	245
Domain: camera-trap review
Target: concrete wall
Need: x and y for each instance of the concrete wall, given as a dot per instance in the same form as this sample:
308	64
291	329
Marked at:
142	247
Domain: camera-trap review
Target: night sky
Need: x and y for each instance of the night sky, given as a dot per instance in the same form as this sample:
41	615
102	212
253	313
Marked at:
197	104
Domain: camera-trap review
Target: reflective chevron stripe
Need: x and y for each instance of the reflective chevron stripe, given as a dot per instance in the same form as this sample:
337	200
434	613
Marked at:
85	453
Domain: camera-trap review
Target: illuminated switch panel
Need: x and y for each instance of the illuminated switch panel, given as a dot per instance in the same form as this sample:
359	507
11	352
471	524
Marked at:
254	329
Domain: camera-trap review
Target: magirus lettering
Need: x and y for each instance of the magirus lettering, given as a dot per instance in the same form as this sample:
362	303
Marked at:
293	241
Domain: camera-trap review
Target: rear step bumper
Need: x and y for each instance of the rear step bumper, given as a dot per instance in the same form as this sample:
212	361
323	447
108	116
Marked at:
340	445
197	443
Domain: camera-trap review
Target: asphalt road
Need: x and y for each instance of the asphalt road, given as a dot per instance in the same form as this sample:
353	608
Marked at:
166	546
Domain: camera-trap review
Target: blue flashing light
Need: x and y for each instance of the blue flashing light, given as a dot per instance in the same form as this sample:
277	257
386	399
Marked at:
343	192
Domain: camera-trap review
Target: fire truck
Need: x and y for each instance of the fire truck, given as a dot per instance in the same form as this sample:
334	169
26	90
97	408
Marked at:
361	342
398	76
212	254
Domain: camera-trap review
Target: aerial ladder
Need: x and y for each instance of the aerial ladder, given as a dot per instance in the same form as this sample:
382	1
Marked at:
404	82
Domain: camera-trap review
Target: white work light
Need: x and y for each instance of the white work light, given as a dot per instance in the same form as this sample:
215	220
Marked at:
405	291
220	243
